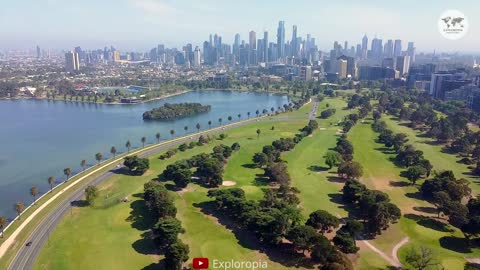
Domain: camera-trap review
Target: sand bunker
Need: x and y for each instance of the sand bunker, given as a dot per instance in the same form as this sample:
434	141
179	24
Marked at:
228	183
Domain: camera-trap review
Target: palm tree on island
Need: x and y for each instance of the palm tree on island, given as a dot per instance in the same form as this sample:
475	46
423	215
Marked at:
34	193
209	124
158	137
257	112
19	207
67	172
248	114
230	118
98	157
3	222
143	141
128	145
83	163
51	182
113	151
186	129
220	121
172	132
239	116
198	127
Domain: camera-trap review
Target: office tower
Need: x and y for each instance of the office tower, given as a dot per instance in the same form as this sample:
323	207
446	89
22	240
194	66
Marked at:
39	52
345	47
342	68
306	73
398	48
388	63
293	43
403	64
377	49
72	62
411	51
359	51
265	47
281	40
388	50
252	40
116	56
236	48
364	46
197	57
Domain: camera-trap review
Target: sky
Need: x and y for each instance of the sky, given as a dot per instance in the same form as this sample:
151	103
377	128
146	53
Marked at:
142	24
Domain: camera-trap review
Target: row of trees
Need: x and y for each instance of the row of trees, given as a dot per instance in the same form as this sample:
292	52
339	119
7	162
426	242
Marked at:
160	203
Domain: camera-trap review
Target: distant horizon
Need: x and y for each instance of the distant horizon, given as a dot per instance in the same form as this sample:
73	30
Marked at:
138	25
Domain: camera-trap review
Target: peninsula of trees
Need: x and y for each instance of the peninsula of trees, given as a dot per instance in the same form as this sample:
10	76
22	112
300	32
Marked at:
175	111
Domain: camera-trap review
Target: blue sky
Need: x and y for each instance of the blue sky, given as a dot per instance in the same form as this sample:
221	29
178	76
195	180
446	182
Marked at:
141	24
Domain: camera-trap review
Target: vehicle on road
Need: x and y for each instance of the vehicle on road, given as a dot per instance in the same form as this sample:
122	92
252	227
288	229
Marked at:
29	243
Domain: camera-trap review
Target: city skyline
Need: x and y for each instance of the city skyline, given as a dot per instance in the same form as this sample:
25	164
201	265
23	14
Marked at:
158	23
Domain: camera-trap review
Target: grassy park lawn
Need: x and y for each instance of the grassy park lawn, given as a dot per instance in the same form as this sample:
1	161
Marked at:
115	232
418	223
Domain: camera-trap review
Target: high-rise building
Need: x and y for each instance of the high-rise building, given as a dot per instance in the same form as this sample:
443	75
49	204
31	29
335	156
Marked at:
411	51
342	68
403	64
294	43
252	40
281	40
197	58
116	56
397	51
364	46
265	47
388	50
72	62
39	52
377	49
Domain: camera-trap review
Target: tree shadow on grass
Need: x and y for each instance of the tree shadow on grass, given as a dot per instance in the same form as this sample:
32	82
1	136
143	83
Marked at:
155	266
145	245
316	168
385	150
430	223
455	244
335	179
250	166
414	195
261	180
399	183
140	217
121	170
426	209
281	253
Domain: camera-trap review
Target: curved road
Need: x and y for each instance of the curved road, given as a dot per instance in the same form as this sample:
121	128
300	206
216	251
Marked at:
27	255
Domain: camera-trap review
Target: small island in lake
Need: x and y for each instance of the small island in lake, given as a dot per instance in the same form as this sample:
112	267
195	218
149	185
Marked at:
175	111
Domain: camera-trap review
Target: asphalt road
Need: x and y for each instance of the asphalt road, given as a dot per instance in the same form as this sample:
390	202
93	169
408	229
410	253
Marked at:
27	255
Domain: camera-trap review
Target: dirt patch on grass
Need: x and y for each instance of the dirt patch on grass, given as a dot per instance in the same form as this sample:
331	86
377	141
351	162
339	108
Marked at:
189	188
229	183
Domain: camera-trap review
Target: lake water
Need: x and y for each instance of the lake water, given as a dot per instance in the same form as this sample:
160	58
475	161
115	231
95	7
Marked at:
40	138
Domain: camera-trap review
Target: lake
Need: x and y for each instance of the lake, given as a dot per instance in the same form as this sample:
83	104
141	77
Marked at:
40	138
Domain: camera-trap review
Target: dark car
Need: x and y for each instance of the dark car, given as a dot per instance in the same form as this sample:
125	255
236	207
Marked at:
29	243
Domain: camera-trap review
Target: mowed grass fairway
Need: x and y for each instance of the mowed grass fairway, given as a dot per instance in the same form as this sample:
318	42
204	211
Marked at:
418	223
111	238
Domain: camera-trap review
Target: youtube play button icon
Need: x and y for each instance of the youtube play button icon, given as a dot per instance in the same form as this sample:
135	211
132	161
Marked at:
200	263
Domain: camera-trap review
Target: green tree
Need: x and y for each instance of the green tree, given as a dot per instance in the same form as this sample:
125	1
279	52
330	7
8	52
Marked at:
350	169
98	158
19	207
67	172
186	129
175	255
172	132
51	182
302	237
158	137
209	124
220	121
198	127
414	173
136	165
91	193
258	133
143	140
332	159
323	221
34	193
166	231
230	118
261	159
113	151
421	258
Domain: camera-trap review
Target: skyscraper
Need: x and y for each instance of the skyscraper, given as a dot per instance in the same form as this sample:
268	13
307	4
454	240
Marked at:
364	46
411	51
281	40
196	57
294	43
39	52
388	51
72	62
377	48
252	40
397	51
403	64
265	47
